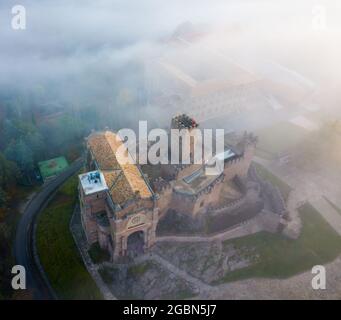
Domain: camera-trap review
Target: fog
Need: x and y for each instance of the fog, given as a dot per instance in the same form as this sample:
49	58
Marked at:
87	52
269	67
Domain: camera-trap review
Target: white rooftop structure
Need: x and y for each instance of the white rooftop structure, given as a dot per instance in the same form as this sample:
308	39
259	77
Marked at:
225	155
93	182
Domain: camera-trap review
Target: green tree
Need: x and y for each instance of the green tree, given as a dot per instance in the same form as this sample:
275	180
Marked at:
3	198
35	142
9	172
21	154
10	130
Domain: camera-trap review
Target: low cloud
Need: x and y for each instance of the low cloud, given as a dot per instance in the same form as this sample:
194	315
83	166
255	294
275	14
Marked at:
88	48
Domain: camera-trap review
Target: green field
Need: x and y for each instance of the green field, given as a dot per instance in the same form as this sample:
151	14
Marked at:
283	187
57	251
52	167
280	257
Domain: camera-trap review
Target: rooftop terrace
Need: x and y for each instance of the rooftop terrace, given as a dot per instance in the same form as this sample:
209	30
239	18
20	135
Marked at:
93	182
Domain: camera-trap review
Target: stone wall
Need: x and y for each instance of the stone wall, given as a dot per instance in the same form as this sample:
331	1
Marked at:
271	194
195	204
121	222
123	228
165	192
240	166
228	207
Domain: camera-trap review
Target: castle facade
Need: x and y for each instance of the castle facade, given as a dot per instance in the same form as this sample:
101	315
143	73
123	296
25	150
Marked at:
120	206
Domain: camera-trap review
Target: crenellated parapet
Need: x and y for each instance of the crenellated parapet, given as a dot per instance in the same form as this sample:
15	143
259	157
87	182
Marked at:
205	190
161	185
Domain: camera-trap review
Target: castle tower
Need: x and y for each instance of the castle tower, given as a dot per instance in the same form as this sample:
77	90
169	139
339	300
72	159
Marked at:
190	138
118	207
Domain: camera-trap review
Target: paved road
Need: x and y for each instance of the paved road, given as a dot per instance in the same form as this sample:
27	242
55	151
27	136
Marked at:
23	246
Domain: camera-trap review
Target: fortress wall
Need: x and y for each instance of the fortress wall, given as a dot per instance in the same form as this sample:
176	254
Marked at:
187	171
90	205
165	197
209	199
103	238
239	166
96	201
182	203
196	205
168	171
226	208
90	226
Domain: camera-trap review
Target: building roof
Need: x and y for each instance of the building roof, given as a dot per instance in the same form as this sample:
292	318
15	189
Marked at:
179	74
52	167
93	182
212	86
205	71
195	182
124	180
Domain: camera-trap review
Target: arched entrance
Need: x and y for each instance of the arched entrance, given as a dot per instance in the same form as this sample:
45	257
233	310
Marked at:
135	244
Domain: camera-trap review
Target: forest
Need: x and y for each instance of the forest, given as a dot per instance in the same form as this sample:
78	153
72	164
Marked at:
33	128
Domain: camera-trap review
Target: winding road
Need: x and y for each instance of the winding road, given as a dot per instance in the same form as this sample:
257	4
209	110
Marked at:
24	250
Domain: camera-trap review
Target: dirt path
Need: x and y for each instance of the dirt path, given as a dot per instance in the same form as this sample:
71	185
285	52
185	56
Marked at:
202	287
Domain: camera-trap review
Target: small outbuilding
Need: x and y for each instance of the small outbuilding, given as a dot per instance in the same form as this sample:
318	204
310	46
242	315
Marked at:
51	168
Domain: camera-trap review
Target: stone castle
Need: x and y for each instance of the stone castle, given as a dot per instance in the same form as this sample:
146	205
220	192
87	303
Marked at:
121	205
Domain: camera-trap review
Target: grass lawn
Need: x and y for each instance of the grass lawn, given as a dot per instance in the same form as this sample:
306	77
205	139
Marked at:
267	175
280	257
57	250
